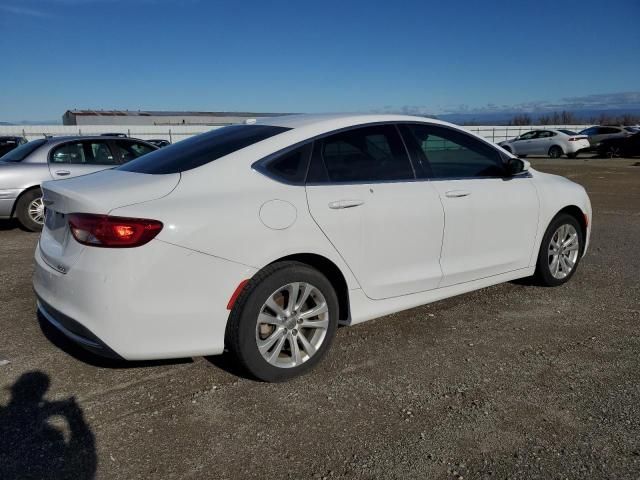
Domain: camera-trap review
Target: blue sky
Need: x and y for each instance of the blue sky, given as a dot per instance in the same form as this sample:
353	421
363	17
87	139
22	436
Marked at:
315	56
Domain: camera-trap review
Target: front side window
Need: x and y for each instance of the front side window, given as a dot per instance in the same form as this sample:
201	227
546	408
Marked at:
129	150
201	149
366	154
83	153
452	154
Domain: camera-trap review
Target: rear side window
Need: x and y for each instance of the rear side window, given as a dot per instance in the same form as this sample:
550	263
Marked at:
366	154
83	153
453	154
129	150
23	151
289	167
201	149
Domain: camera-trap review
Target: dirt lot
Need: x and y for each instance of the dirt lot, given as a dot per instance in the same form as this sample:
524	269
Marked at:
513	381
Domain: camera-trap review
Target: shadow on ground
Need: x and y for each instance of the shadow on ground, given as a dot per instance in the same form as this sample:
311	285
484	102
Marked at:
32	446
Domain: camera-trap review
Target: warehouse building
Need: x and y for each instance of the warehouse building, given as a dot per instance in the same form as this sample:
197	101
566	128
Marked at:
142	117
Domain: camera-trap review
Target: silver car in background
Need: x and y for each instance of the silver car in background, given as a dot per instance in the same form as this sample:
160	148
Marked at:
24	168
551	142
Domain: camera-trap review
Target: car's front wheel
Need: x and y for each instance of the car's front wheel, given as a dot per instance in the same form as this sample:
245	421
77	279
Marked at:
283	322
30	210
560	251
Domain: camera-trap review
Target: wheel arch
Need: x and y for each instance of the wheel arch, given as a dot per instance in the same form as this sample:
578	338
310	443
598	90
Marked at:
580	216
22	194
333	273
555	145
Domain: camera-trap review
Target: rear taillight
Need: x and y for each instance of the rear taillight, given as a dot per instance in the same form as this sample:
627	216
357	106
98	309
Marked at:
575	139
112	232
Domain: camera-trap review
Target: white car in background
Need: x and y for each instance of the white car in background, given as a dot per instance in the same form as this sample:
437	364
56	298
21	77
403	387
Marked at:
262	238
550	142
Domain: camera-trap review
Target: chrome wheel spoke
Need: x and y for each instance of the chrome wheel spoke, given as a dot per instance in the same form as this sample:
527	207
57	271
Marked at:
269	320
308	348
273	356
294	290
295	349
314	312
265	345
275	308
315	323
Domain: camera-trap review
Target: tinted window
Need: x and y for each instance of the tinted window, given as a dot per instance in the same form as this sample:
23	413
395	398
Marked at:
201	149
453	154
23	151
291	166
366	154
83	153
589	131
568	132
528	136
128	150
608	130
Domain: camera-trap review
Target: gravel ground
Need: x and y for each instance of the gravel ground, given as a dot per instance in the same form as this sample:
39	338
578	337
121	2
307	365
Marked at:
513	381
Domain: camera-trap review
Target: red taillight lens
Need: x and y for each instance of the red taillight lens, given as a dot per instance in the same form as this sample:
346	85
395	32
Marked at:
112	232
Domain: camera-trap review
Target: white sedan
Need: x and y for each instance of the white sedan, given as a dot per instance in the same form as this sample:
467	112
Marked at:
553	143
262	238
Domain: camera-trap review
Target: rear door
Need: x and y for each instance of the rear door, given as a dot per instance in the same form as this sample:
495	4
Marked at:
490	219
80	157
387	226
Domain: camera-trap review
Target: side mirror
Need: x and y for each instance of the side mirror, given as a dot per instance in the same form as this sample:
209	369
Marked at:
515	166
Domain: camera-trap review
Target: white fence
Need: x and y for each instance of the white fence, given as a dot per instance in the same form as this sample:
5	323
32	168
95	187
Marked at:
180	132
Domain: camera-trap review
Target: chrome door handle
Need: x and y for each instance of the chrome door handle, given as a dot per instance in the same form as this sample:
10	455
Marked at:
457	193
345	204
63	173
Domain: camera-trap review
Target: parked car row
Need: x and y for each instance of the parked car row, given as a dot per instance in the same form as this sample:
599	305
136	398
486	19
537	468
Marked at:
558	142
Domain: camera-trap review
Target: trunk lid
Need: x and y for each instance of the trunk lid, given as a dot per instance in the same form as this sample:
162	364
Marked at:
97	193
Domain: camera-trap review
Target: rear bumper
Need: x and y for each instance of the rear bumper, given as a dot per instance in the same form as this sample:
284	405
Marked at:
152	302
75	331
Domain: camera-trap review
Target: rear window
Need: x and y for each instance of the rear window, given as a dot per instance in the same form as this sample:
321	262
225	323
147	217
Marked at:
23	151
568	132
201	149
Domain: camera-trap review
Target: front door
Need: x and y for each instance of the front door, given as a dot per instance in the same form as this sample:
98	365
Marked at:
490	218
386	225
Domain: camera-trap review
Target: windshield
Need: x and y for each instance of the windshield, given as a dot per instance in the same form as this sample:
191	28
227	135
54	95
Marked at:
23	151
204	148
568	132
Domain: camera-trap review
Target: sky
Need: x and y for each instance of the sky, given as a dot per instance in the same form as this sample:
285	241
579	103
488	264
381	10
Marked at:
316	56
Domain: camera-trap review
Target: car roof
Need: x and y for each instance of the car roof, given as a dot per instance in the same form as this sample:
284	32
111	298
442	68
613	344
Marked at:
66	138
338	120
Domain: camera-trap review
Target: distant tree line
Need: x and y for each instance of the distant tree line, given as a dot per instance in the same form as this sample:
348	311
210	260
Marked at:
568	118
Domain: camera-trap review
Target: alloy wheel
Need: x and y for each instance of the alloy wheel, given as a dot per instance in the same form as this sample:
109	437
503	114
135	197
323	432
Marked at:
292	325
563	251
36	210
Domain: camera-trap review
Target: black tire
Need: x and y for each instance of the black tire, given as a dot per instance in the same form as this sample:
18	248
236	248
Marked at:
613	151
543	270
22	210
241	327
572	155
555	152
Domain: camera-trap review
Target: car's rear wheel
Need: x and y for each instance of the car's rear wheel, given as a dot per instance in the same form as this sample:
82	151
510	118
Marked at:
613	151
555	152
283	322
30	210
560	251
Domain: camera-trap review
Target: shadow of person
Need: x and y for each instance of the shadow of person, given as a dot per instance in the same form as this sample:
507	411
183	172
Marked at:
40	439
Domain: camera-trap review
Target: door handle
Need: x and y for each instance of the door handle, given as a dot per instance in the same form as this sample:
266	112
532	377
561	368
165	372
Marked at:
345	204
457	193
63	173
